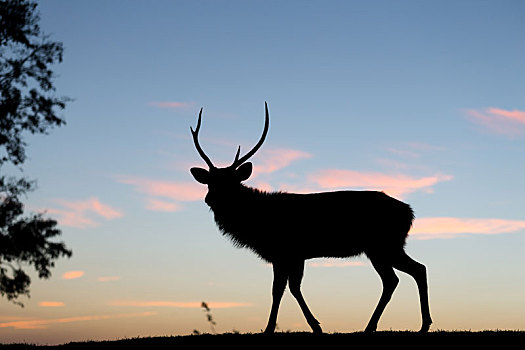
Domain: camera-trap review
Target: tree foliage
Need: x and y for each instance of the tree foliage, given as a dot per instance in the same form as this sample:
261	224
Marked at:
27	104
24	240
26	79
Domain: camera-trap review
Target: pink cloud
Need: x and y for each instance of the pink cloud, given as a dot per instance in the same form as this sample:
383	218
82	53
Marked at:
43	323
72	218
72	275
51	304
335	263
179	191
174	190
276	159
450	227
178	304
499	121
172	104
395	185
104	210
516	115
159	205
79	213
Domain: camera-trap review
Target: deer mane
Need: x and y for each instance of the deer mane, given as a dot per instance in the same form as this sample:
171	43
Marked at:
239	219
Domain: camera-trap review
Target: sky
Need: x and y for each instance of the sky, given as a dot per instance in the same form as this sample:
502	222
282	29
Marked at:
420	99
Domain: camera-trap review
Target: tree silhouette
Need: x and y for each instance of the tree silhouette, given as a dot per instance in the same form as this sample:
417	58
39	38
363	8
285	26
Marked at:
27	104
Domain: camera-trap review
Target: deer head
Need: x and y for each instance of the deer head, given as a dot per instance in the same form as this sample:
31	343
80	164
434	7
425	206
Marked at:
222	182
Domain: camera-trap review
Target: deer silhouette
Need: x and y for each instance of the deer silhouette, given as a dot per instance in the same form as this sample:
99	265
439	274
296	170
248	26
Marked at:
285	229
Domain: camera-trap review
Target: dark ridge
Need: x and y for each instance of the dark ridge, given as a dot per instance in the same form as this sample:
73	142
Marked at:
388	339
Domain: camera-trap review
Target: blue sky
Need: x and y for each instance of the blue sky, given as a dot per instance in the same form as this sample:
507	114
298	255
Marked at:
421	99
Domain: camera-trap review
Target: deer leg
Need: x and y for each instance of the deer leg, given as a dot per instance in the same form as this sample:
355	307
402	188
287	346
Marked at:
419	272
390	281
294	282
280	277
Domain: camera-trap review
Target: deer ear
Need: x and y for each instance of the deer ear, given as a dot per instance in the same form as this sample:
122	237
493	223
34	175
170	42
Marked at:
201	175
244	171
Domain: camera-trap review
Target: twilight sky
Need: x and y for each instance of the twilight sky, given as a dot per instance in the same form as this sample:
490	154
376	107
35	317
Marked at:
424	100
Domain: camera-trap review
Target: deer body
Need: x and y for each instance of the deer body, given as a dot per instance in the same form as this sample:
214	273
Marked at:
285	229
330	224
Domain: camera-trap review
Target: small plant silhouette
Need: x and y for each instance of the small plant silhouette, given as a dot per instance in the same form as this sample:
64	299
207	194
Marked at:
209	317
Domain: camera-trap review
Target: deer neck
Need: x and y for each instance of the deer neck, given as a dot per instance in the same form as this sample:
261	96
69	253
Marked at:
231	211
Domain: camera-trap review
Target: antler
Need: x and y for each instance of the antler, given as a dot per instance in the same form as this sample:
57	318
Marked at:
237	162
196	142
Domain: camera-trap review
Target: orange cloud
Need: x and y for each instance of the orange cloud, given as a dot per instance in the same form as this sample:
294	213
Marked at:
449	227
395	185
499	121
335	263
79	213
108	278
172	104
43	323
51	304
178	304
276	159
72	275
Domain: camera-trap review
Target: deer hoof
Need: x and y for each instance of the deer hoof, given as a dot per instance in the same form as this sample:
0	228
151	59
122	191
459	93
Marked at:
316	328
370	329
425	327
269	330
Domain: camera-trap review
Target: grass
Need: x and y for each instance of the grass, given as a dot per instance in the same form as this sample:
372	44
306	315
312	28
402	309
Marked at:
392	339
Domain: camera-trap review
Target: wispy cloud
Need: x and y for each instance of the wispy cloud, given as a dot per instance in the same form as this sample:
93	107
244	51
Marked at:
71	275
44	323
414	150
172	104
160	205
450	227
405	153
179	191
172	190
108	278
276	159
395	185
51	304
410	157
425	147
335	263
83	213
516	115
499	121
178	304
